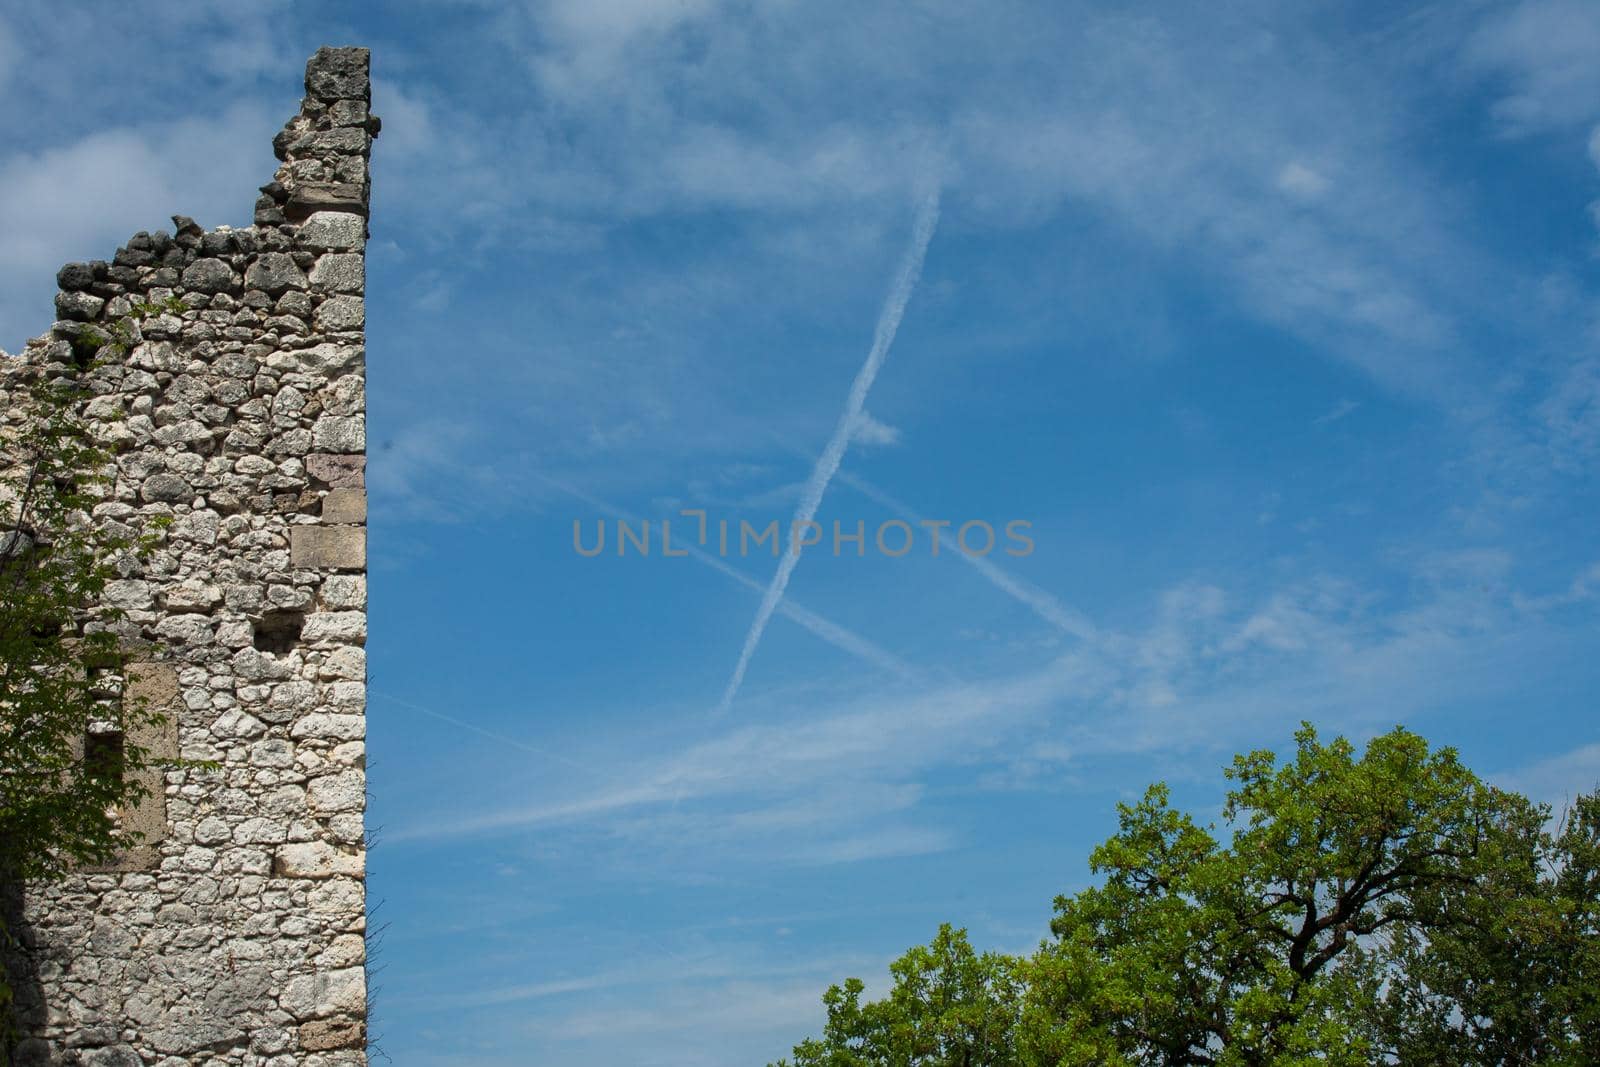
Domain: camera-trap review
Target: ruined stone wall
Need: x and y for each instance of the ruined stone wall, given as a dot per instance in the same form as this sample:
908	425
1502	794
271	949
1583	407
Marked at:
236	934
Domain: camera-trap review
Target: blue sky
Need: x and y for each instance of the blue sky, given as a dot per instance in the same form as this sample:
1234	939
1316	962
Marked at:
1280	323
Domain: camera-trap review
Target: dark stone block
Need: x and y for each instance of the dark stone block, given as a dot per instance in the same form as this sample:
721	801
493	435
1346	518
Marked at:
75	276
267	213
312	197
339	73
210	276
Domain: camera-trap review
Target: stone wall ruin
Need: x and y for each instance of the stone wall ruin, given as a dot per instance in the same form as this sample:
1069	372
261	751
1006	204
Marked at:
236	933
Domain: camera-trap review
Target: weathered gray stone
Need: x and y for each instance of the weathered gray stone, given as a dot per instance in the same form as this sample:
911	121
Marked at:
340	313
339	272
210	276
166	488
332	231
343	592
317	859
335	73
82	307
337	627
275	273
329	359
340	433
319	995
322	726
311	197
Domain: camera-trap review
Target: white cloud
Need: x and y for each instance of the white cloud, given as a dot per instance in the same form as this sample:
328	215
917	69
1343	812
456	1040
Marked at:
84	199
1558	780
1299	180
1548	54
1571	415
1210	671
1340	410
869	431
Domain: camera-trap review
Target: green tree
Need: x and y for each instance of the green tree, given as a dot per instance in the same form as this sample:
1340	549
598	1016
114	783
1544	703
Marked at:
1508	973
1382	908
950	1007
61	659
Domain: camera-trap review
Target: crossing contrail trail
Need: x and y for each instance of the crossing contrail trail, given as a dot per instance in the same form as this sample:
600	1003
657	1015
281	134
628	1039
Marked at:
1047	607
827	629
828	463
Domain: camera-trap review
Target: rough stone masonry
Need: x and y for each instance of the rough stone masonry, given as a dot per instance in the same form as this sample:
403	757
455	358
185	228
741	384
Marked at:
236	934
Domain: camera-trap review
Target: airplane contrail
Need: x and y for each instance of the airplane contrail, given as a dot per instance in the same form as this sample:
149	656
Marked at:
830	631
828	463
1047	607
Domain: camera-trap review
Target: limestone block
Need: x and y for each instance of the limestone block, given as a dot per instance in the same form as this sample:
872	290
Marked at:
337	471
332	231
340	433
328	547
345	592
329	358
339	627
275	273
341	313
328	993
345	505
339	272
330	727
345	791
210	276
348	662
166	488
321	1035
317	859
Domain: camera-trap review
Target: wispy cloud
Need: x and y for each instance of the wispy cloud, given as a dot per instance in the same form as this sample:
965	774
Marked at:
1556	781
1210	670
1545	52
1340	410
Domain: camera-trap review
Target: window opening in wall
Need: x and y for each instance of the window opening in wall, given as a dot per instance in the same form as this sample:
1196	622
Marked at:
103	754
279	632
104	757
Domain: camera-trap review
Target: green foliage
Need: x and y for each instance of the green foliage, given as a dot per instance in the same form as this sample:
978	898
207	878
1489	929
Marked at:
949	1007
1390	908
60	662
